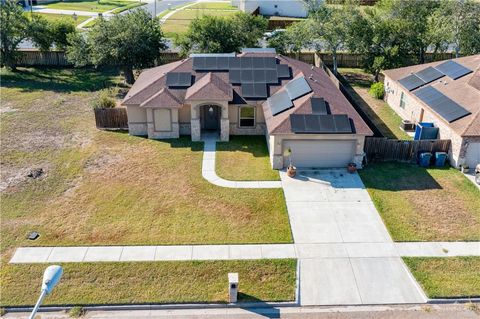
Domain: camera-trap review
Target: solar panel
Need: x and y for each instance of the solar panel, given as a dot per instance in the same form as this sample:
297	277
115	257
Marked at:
234	63
234	76
297	88
283	71
222	63
198	63
257	63
271	76
441	104
453	69
323	124
259	76
246	62
211	63
411	82
429	74
181	79
279	102
254	90
246	76
270	63
319	106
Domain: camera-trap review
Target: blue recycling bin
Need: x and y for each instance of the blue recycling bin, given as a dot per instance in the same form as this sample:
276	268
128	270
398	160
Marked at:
440	159
425	159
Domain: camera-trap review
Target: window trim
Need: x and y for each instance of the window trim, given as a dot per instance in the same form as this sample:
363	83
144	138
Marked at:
254	116
403	100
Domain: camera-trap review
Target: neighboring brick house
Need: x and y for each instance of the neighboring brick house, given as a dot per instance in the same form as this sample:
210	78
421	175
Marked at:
294	104
446	93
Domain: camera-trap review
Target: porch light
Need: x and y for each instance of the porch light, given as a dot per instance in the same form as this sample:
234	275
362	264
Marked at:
210	110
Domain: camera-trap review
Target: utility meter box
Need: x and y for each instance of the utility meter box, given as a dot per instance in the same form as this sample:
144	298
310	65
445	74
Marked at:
232	287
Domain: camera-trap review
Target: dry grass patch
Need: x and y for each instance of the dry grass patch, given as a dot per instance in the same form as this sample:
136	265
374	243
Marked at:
447	277
151	282
245	158
418	204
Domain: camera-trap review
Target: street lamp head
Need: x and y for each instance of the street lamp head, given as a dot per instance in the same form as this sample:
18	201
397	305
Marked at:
51	277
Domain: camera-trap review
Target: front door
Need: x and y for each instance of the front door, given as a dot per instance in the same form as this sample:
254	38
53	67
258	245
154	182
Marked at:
210	117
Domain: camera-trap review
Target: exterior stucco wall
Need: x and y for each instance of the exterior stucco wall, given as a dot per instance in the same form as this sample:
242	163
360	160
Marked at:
277	150
137	120
234	117
412	111
155	132
284	8
195	127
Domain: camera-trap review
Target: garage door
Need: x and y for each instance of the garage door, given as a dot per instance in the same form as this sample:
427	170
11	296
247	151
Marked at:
315	153
472	158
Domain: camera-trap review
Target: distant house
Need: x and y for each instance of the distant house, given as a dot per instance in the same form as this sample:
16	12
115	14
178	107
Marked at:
294	104
446	93
282	8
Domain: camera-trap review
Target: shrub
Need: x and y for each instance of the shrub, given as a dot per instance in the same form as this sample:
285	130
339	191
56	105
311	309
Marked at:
105	99
377	90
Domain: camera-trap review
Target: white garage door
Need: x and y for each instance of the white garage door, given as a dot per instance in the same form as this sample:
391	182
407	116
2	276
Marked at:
472	158
315	153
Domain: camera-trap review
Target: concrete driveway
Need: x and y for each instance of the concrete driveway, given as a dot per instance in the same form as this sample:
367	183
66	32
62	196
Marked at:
331	207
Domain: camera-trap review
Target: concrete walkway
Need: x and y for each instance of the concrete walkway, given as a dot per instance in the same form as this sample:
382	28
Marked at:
208	169
247	251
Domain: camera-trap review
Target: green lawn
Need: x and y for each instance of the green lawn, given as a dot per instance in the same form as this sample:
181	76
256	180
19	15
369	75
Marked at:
213	6
418	204
178	23
357	82
55	17
89	5
447	277
151	282
245	158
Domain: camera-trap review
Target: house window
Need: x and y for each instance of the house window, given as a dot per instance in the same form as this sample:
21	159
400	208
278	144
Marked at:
162	120
247	116
402	100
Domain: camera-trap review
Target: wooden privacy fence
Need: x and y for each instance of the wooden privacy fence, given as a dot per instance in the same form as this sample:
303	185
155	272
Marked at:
112	119
383	149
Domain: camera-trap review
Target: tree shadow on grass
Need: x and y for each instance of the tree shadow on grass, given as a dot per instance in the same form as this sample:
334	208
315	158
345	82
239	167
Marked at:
61	80
393	176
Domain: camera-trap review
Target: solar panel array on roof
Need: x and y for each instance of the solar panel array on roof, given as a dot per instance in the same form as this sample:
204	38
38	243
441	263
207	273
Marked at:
429	74
297	88
411	82
254	90
441	104
279	102
179	79
453	69
283	71
319	106
321	124
225	63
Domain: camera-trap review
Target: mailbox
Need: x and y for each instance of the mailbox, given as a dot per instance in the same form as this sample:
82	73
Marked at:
232	287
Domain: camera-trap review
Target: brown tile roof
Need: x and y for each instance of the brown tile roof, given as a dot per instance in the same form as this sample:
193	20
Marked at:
163	99
461	91
475	80
210	87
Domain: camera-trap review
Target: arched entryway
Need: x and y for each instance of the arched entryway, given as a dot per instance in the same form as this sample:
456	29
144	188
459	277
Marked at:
210	118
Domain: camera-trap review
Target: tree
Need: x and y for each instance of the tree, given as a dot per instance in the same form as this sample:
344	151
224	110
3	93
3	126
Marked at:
60	29
384	47
251	28
294	39
128	41
40	32
331	28
13	25
210	34
415	15
458	23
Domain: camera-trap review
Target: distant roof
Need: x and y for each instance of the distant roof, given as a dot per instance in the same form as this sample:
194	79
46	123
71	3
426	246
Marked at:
264	69
464	90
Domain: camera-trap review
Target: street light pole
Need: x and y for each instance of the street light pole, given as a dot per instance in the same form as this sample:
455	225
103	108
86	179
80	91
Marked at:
51	277
155	1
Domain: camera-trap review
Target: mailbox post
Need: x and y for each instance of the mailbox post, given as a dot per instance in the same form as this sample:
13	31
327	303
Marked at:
232	287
